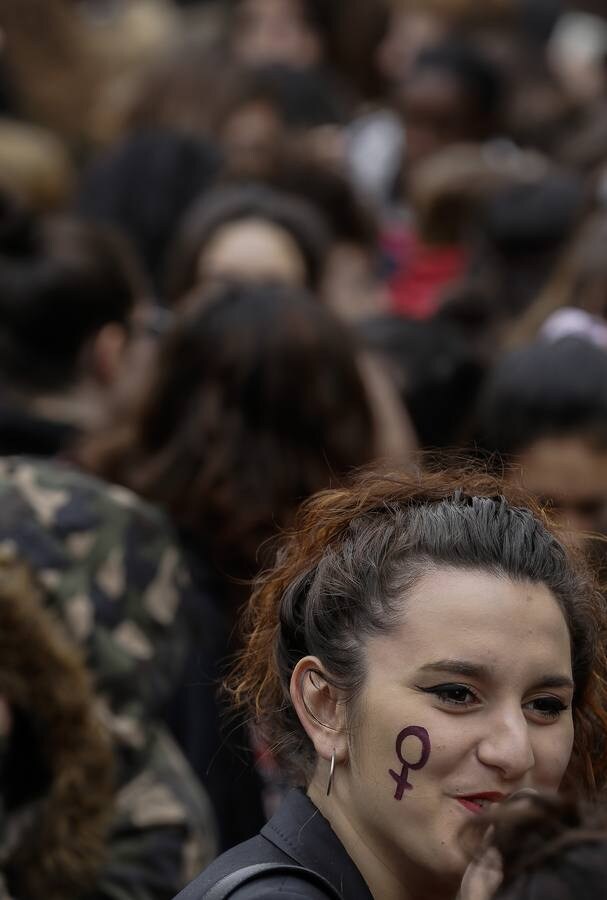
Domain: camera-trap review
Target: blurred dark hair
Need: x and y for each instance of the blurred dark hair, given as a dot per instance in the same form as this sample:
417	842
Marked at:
237	203
145	184
301	98
480	79
349	218
523	229
517	238
256	403
541	390
530	216
61	281
552	848
437	371
350	32
578	280
316	13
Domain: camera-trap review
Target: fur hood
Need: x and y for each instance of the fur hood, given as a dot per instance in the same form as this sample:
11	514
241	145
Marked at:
56	760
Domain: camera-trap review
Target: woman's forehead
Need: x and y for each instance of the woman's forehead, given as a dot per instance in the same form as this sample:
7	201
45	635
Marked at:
472	615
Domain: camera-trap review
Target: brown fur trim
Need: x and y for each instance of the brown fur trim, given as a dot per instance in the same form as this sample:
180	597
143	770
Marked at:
59	855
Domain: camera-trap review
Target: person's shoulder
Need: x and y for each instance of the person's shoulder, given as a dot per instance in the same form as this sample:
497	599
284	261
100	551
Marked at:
256	850
277	886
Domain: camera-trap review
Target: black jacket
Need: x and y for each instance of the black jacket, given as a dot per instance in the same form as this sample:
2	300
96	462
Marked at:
298	835
216	745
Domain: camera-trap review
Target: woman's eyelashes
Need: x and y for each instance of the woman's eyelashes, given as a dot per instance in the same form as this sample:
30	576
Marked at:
457	695
547	707
462	697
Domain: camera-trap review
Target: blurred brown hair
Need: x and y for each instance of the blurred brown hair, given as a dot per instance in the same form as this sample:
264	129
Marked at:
256	403
551	848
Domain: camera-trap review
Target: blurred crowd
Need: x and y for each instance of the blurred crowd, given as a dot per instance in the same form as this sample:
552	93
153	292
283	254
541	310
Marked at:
247	247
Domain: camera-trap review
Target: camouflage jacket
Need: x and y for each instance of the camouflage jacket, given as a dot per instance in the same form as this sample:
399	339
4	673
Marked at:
111	577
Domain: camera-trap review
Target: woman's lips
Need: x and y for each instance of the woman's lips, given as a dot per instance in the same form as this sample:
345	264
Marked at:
478	803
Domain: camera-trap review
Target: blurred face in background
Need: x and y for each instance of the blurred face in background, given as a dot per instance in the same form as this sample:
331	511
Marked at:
253	138
436	113
252	250
569	473
408	32
274	31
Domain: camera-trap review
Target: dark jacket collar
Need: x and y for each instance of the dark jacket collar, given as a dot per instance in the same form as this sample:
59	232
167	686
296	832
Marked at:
302	832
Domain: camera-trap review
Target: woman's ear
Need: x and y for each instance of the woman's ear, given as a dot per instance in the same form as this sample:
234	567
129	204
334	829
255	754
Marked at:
320	707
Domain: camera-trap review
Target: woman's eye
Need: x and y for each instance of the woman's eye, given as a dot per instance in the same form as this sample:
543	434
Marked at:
453	694
548	707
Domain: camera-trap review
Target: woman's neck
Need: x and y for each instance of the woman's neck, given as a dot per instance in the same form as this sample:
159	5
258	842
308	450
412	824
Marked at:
384	881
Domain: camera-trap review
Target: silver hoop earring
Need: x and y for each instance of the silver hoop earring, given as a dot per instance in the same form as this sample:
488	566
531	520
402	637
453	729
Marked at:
331	773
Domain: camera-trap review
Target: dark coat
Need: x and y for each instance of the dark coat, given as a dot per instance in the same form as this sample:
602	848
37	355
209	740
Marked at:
216	745
297	835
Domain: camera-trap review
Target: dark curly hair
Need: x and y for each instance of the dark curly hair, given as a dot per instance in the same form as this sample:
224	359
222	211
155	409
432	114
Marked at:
353	555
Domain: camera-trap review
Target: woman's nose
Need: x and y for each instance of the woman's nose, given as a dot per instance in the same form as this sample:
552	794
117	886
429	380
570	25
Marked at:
506	745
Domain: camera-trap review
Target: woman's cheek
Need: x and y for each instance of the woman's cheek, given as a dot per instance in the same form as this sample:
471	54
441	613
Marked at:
552	755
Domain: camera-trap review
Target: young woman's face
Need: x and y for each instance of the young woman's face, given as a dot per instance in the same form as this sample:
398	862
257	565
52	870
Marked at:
466	702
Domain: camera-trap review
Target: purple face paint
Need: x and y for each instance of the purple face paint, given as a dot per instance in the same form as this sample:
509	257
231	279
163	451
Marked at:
422	735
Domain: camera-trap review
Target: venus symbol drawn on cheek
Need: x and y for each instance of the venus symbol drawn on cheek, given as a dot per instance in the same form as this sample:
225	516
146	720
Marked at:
402	784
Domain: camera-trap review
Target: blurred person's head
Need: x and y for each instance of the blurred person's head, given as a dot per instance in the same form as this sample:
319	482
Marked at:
359	29
248	233
352	284
411	28
174	94
267	110
551	849
576	52
449	189
417	24
543	412
342	36
256	403
69	292
453	94
145	184
295	32
538	113
78	80
516	240
253	113
578	280
437	373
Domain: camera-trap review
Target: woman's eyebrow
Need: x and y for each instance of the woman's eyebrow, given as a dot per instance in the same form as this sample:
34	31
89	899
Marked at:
555	681
458	667
477	670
